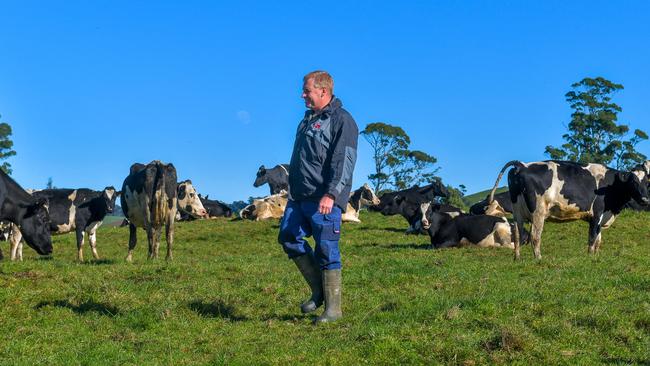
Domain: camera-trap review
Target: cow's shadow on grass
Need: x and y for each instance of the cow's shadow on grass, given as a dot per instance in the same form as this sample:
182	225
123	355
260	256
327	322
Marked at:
215	309
403	246
83	308
98	262
391	229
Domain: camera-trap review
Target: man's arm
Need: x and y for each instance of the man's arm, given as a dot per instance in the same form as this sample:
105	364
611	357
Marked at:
344	157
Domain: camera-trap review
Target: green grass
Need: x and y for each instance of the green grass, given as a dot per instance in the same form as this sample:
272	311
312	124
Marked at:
231	297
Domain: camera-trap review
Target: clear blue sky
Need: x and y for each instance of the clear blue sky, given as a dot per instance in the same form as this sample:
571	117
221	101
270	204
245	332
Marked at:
90	87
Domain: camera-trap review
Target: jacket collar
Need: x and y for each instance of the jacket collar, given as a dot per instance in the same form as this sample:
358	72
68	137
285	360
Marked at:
333	105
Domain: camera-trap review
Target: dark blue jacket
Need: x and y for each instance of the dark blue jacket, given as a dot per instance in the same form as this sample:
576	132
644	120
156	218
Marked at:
324	155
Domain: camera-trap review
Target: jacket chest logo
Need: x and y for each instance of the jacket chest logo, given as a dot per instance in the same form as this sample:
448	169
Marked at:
316	125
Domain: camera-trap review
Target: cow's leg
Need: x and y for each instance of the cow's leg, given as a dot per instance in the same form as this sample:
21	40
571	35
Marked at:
156	241
594	235
150	240
536	228
169	236
80	243
92	239
133	240
15	241
519	229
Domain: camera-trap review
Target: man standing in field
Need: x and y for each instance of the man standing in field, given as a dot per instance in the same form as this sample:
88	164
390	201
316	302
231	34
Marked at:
320	180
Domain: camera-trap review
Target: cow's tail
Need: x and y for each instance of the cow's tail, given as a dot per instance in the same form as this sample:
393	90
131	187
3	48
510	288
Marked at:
515	163
158	201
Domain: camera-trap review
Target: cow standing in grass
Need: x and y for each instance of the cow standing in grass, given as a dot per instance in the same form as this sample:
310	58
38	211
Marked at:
149	200
564	191
80	210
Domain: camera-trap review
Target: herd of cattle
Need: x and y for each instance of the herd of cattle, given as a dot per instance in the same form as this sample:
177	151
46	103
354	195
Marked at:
152	198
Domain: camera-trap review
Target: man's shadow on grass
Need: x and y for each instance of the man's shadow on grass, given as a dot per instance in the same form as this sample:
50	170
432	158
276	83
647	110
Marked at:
215	309
82	308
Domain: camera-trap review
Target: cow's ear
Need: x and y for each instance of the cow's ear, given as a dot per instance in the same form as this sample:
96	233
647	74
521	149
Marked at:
399	199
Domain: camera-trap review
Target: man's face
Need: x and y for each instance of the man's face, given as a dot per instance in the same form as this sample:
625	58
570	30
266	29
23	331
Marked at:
315	98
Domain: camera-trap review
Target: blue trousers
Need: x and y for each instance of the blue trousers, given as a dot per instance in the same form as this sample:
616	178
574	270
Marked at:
301	220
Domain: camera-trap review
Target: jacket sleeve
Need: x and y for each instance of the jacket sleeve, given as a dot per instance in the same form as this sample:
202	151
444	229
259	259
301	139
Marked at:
344	156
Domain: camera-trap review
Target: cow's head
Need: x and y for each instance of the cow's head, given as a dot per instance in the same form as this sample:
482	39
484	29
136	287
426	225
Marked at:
435	189
368	196
261	177
35	227
188	200
389	204
636	183
225	209
109	195
248	212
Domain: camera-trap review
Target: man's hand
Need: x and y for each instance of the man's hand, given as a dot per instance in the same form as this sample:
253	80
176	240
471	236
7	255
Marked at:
325	205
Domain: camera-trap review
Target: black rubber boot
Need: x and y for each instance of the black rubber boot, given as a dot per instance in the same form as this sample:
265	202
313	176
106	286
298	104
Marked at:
332	290
312	274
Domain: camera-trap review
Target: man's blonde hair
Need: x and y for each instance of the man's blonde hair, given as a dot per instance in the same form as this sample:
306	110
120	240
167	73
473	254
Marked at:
322	79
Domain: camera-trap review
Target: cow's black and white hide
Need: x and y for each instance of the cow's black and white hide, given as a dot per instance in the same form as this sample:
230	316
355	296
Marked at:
190	206
73	210
29	214
501	206
460	230
363	197
407	204
277	178
565	191
149	200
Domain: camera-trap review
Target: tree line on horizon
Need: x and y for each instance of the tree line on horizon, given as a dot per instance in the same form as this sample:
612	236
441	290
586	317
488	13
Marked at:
593	135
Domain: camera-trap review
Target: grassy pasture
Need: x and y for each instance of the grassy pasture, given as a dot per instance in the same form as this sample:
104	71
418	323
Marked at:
231	297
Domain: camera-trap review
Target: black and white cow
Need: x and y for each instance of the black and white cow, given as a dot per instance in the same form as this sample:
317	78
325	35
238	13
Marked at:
215	208
363	197
277	178
29	213
189	203
149	200
565	191
479	230
407	203
80	210
501	206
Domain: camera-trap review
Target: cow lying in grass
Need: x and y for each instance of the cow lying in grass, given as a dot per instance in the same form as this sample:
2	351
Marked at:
407	203
361	198
270	207
480	230
565	191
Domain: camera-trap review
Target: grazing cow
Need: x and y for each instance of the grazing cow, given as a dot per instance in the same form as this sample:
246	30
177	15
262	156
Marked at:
149	200
564	191
215	208
480	230
361	198
80	210
407	203
270	207
277	178
29	213
501	206
189	204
